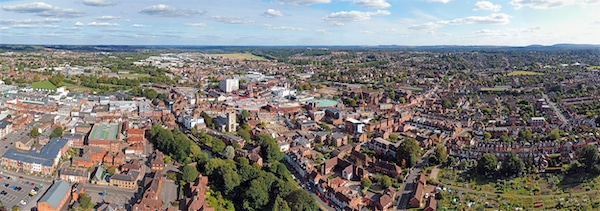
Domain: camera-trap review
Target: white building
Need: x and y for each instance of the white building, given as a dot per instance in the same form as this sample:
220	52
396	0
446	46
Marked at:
190	122
229	85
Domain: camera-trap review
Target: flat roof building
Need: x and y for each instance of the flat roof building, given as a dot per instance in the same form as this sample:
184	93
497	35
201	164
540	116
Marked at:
56	196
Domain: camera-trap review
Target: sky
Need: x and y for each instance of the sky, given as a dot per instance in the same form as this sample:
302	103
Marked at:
300	22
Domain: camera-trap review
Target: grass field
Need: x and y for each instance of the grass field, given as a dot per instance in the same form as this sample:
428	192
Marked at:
593	68
493	89
523	73
240	56
44	85
412	88
135	75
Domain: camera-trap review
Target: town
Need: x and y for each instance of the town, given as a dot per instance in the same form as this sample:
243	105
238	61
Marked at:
128	128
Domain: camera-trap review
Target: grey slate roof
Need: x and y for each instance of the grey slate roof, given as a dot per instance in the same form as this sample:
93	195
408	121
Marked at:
55	193
45	156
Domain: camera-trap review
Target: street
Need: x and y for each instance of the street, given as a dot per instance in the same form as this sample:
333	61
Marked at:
408	186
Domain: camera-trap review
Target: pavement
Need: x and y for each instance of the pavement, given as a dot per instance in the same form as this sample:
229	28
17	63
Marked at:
14	197
556	110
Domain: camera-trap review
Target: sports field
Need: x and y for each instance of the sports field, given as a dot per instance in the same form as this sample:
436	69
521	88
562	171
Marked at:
240	56
523	73
104	131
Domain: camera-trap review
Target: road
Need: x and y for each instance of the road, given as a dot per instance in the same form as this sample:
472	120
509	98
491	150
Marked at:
408	186
559	114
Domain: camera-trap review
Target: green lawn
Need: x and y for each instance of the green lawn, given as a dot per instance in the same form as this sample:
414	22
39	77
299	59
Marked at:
523	73
44	85
135	75
240	56
492	89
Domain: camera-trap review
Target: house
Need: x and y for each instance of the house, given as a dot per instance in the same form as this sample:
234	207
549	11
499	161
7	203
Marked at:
337	139
90	156
74	175
158	161
196	200
419	191
149	201
431	204
125	180
114	159
55	197
6	127
389	169
135	149
354	172
75	139
361	158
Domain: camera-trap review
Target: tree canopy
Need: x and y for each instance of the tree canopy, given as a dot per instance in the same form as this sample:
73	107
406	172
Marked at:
486	164
189	173
408	153
512	165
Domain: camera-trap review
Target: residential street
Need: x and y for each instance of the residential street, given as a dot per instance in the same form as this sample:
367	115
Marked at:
407	187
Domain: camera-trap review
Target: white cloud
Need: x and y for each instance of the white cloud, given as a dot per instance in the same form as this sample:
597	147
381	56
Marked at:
94	23
439	1
43	9
550	4
321	31
305	2
372	3
495	18
139	25
34	26
283	28
195	24
339	18
272	13
30	21
486	5
162	10
98	3
108	17
4	28
231	20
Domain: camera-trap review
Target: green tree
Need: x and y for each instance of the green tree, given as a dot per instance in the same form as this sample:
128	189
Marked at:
366	183
111	171
189	173
57	132
245	134
245	114
270	148
588	156
525	135
15	208
394	137
408	152
440	154
301	200
554	134
218	145
402	100
487	135
486	164
280	205
505	138
229	152
150	93
35	132
280	170
325	127
85	201
36	78
512	165
385	181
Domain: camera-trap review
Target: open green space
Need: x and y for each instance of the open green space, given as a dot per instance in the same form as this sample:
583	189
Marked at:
593	68
44	85
240	56
411	88
523	73
135	75
493	89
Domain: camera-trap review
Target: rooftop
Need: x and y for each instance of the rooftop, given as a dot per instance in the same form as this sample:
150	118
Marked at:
56	193
105	131
45	156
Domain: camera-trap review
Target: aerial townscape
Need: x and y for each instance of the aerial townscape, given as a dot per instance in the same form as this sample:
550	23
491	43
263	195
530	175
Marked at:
299	105
299	128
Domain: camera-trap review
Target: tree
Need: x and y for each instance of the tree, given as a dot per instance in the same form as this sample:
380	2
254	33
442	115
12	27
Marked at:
229	152
218	145
486	164
366	183
15	208
402	100
487	135
57	132
440	154
245	114
588	156
394	137
189	173
150	93
525	135
36	78
324	126
35	132
111	171
280	205
280	171
505	138
554	134
512	165
408	153
301	200
269	148
385	181
245	134
85	201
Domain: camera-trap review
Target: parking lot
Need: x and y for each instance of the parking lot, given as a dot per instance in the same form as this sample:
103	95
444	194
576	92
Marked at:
16	191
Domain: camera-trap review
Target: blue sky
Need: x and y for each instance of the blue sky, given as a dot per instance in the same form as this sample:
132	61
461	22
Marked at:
300	22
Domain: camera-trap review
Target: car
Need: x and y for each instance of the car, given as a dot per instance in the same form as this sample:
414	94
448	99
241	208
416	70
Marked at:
19	188
23	202
3	192
32	184
8	178
36	189
101	193
27	183
20	177
5	184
